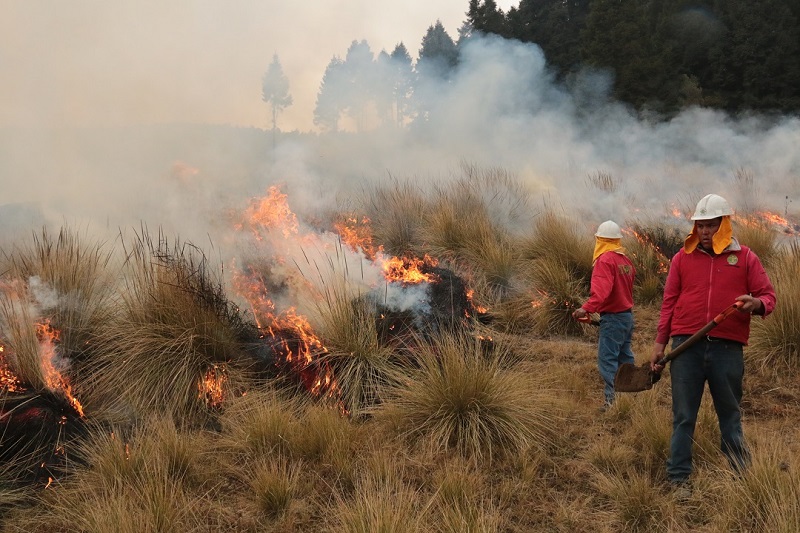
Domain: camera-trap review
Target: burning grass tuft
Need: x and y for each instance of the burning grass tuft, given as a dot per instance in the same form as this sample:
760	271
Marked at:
544	303
494	263
360	364
70	282
175	325
470	399
666	238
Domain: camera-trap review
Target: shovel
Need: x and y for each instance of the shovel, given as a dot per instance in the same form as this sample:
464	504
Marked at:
632	378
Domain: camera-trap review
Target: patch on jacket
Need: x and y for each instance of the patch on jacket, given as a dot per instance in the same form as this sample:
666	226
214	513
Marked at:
732	259
624	269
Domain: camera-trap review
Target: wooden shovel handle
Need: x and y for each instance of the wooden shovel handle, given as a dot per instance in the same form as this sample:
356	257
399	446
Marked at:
702	333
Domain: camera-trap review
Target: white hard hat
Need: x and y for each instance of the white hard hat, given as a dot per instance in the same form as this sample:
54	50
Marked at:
711	206
609	229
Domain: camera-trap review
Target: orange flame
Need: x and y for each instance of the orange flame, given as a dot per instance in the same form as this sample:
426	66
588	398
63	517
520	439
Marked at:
357	234
478	308
409	269
770	219
295	340
48	337
272	212
212	386
647	242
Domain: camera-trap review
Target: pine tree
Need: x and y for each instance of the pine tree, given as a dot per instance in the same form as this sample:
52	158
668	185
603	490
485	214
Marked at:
439	54
403	83
330	98
275	91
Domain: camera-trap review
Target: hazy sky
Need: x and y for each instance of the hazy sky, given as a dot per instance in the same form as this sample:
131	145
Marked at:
120	61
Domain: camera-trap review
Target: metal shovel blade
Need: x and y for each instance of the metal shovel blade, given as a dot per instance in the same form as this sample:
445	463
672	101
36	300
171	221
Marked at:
632	378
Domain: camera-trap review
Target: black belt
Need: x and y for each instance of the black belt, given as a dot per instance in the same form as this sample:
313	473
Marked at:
709	338
615	312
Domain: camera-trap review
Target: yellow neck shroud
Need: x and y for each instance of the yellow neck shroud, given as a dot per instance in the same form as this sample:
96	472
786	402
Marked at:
603	245
721	239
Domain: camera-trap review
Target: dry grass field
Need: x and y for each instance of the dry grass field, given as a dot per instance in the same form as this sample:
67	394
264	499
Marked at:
144	389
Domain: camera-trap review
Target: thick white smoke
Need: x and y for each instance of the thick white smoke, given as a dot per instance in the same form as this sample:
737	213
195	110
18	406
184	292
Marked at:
501	108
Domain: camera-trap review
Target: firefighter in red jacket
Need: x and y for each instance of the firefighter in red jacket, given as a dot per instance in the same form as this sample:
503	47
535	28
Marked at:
611	295
711	272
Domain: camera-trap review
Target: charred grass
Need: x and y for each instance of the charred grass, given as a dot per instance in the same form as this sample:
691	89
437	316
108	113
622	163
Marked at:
495	427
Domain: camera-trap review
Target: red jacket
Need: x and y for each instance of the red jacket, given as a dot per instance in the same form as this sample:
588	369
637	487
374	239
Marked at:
612	284
699	287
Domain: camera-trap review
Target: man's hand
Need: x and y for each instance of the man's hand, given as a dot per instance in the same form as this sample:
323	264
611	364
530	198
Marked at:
751	305
579	313
658	353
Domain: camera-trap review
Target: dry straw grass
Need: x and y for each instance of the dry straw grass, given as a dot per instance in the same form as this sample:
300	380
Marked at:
775	341
756	233
361	366
469	400
396	213
174	326
650	263
487	430
377	505
552	279
64	282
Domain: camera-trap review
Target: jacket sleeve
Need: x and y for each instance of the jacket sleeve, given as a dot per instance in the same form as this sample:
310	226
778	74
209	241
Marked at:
601	285
759	284
672	288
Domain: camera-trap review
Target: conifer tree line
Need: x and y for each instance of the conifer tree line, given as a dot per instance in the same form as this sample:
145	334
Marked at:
367	90
664	55
660	56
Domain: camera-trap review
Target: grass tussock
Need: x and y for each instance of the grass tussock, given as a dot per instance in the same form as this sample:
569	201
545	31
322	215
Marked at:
602	181
362	367
274	484
460	503
756	233
775	341
475	403
19	338
766	497
543	304
636	500
651	268
375	505
69	281
396	212
665	237
175	326
560	238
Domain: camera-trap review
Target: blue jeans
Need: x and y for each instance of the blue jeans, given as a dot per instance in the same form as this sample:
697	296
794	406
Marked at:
614	348
721	364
